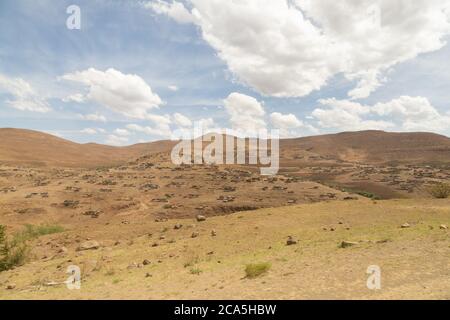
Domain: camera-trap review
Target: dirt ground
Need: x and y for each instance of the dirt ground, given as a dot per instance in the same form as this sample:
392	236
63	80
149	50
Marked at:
414	261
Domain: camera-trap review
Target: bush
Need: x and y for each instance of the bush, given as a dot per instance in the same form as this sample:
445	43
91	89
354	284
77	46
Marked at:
12	253
440	191
256	269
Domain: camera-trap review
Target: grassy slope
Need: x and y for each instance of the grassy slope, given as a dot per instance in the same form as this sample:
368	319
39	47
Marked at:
414	261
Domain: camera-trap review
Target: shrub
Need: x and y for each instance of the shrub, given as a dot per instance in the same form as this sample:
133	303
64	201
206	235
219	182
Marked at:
256	269
12	253
440	191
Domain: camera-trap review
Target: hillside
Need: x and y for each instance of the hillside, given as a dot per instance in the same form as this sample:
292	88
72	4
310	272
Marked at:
19	146
374	147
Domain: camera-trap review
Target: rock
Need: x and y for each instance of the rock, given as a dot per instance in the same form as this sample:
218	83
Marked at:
63	250
405	226
178	226
213	233
148	275
200	218
146	262
443	227
11	286
346	244
89	245
291	241
194	234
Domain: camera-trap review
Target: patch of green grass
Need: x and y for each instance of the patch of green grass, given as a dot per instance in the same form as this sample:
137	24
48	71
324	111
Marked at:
32	231
196	271
255	270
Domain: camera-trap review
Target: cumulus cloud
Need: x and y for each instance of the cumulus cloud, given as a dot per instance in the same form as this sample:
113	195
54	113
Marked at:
90	131
122	132
116	140
246	113
289	48
25	97
126	94
176	10
406	113
93	117
156	130
77	97
182	120
287	121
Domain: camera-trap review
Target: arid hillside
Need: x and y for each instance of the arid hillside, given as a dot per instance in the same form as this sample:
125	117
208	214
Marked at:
370	147
18	146
28	147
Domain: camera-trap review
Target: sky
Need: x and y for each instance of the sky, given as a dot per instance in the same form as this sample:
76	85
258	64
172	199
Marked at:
138	71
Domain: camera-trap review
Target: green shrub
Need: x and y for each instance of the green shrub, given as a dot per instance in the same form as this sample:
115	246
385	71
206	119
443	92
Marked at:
440	191
12	253
256	269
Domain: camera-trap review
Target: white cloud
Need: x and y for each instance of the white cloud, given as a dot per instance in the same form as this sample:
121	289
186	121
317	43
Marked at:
90	131
116	140
285	121
161	131
176	10
126	94
173	88
182	120
290	48
246	113
93	117
415	114
25	96
122	132
77	97
406	113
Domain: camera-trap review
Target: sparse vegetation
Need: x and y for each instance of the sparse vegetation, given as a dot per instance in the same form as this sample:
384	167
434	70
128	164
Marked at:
13	252
440	191
32	231
195	271
255	270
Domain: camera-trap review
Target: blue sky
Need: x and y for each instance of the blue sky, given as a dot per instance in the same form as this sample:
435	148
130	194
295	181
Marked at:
134	38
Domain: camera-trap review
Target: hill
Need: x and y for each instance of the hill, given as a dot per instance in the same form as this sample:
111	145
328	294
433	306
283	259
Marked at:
19	146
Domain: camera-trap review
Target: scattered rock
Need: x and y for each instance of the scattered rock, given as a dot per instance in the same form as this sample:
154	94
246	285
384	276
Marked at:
291	241
200	218
194	234
347	244
146	262
178	226
443	227
405	226
89	245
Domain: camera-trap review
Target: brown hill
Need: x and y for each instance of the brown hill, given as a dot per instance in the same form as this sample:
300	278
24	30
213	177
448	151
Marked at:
19	146
372	147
